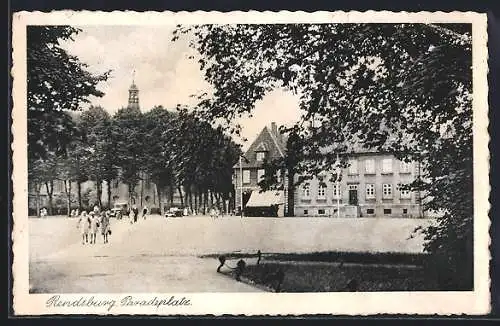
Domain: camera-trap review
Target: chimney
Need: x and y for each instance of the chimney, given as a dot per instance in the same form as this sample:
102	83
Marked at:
274	129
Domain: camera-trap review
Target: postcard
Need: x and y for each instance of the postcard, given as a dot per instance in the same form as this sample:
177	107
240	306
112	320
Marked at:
250	163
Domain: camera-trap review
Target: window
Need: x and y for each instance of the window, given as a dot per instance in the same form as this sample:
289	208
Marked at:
260	174
387	165
370	211
387	190
336	191
261	156
306	212
405	167
387	211
405	211
306	190
322	191
370	166
405	194
246	176
370	190
353	167
321	211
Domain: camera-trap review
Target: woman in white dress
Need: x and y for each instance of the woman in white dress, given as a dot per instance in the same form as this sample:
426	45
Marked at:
84	226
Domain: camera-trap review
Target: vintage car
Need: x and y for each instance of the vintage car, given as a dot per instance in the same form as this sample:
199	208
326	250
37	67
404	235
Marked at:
174	212
119	210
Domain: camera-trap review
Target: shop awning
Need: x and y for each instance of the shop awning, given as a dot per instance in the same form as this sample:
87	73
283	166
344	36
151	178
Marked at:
266	198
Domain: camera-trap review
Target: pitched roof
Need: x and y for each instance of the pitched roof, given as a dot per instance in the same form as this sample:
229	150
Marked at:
269	140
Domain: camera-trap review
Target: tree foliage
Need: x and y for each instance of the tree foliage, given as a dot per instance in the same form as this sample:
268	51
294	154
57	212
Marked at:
57	82
402	88
129	141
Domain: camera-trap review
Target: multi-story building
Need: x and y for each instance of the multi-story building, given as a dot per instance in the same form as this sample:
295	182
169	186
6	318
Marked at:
373	184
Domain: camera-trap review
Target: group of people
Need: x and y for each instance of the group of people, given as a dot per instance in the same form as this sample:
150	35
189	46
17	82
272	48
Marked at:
93	222
43	212
134	213
215	212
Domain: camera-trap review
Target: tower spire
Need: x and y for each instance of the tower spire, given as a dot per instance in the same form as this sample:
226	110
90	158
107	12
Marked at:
133	94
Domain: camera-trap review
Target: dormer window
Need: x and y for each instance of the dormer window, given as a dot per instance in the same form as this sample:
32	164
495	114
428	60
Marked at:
260	152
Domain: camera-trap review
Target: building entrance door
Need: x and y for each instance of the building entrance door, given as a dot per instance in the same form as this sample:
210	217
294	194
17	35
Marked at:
353	195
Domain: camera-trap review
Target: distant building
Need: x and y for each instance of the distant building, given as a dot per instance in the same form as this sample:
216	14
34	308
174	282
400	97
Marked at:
372	185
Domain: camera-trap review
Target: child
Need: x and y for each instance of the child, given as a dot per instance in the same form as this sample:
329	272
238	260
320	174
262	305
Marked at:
84	225
94	224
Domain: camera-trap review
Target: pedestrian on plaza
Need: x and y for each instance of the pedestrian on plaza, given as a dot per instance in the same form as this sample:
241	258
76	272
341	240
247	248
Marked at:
144	211
84	226
185	211
135	210
212	212
94	226
105	226
96	209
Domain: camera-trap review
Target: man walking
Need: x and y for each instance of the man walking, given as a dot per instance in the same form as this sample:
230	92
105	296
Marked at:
135	210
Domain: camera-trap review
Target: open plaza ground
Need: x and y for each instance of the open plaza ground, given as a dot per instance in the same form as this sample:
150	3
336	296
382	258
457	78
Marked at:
164	254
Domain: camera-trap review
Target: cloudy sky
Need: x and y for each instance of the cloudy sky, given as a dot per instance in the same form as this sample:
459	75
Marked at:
163	73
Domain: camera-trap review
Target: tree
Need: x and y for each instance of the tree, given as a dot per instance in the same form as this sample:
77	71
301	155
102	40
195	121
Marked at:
95	126
57	82
127	135
403	88
43	173
160	155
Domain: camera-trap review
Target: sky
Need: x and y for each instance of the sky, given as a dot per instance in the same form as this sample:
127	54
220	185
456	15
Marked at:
163	73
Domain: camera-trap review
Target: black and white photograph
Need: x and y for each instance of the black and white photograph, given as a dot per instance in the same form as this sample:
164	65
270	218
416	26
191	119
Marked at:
163	162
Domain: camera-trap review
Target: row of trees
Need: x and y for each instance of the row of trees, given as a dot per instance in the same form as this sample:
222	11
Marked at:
173	149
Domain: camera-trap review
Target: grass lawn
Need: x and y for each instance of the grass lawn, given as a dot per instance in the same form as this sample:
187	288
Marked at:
336	271
333	278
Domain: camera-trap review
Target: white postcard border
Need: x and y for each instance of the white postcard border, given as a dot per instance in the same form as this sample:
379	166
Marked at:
358	303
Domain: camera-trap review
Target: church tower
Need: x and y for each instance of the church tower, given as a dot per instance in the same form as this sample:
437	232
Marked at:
133	95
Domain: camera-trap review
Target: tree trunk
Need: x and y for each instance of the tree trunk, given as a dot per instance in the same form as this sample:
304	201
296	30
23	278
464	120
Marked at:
142	190
109	192
211	198
67	190
171	195
217	198
37	199
196	201
79	188
180	195
162	210
205	200
190	195
99	193
291	195
49	186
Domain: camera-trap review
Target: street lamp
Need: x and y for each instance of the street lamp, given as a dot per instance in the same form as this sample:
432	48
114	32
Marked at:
241	183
